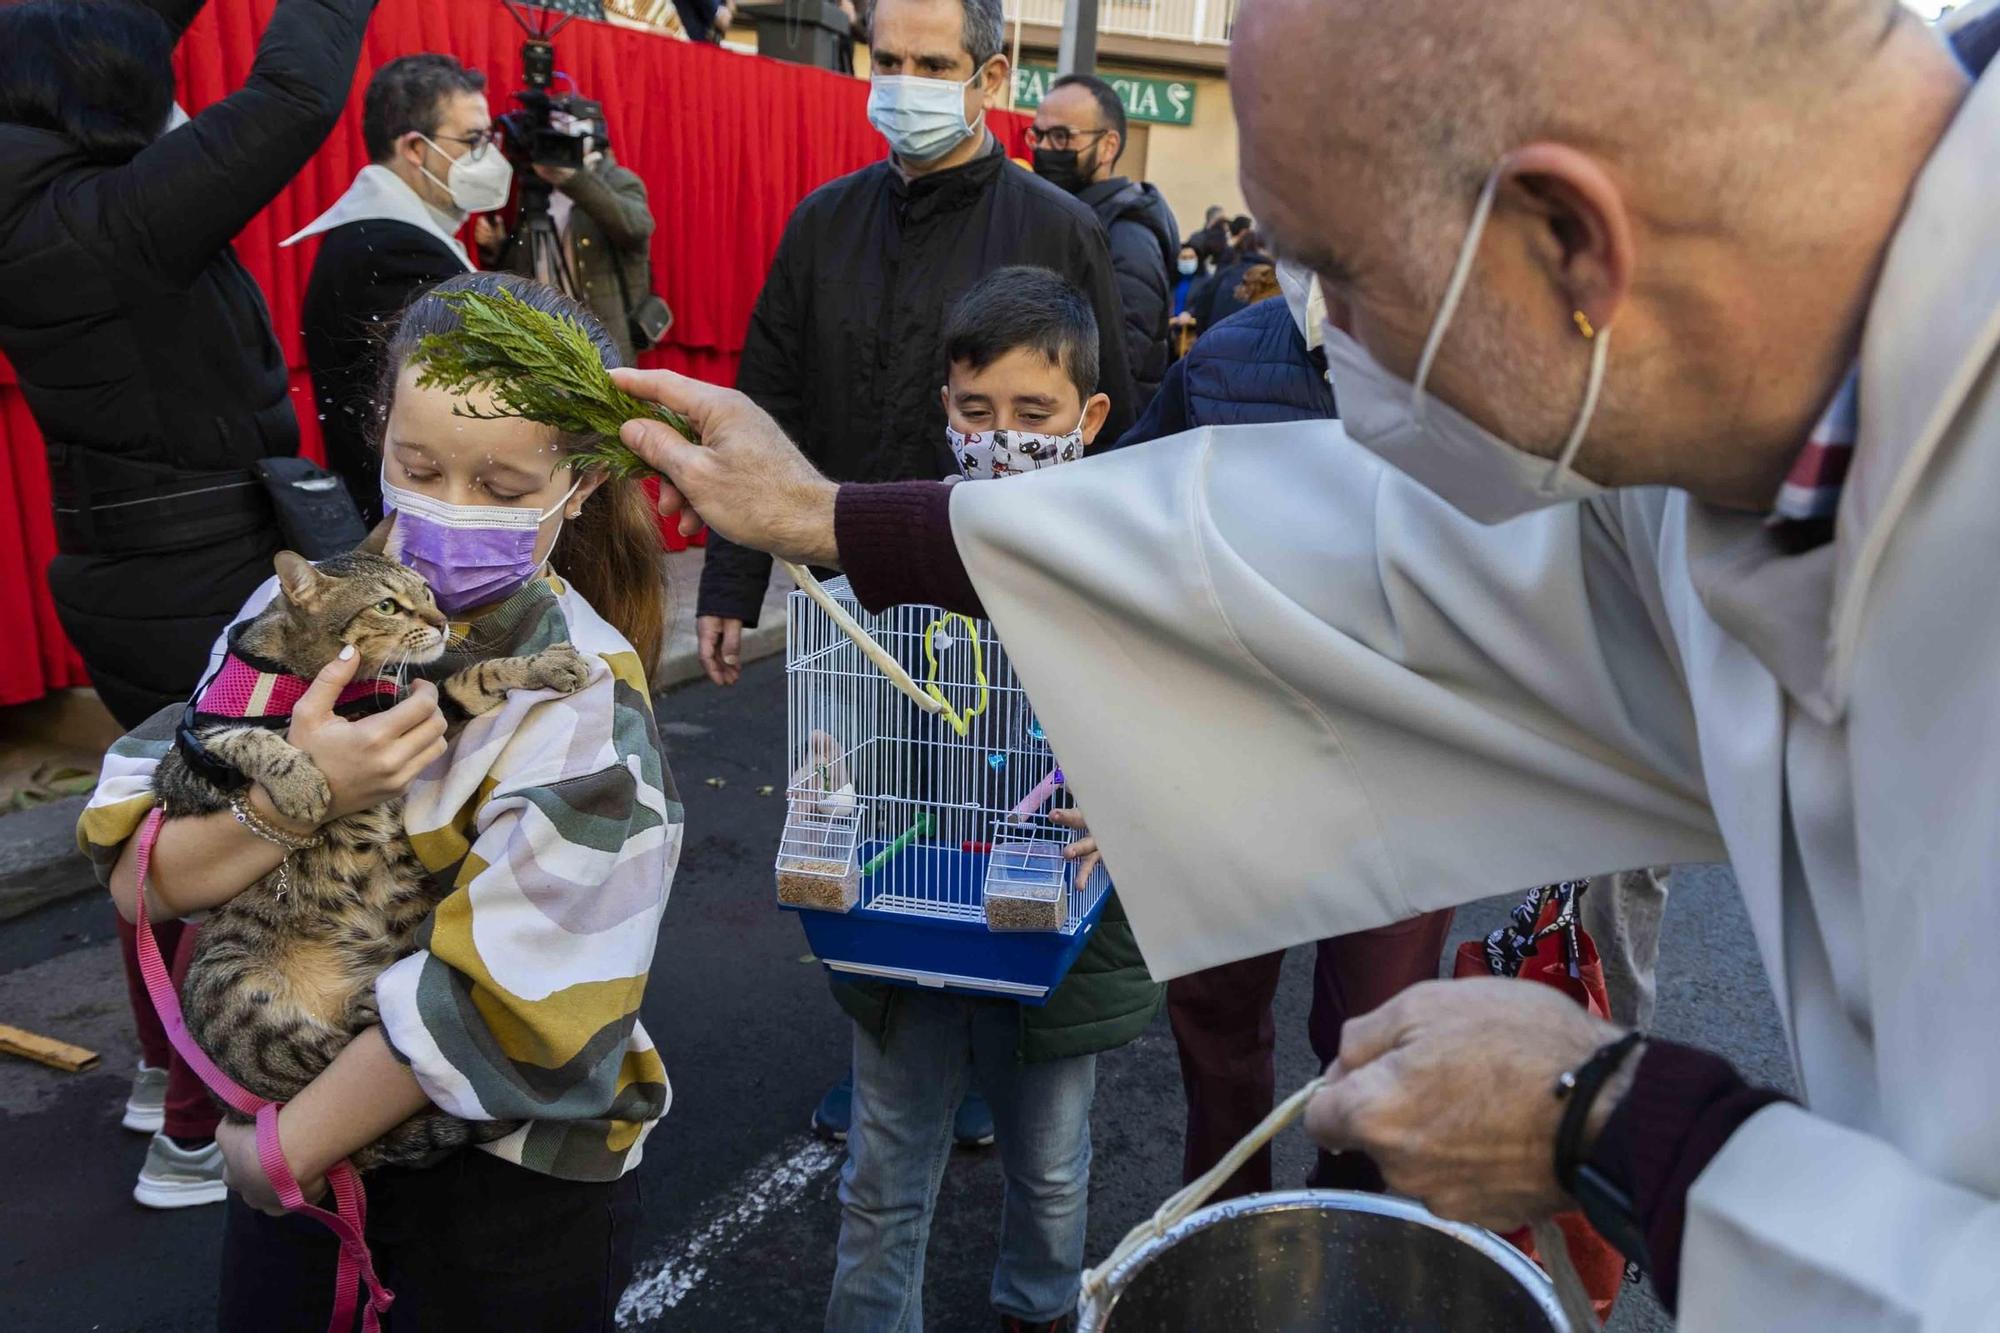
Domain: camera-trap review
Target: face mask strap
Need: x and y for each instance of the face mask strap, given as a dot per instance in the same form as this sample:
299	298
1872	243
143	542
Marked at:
1461	273
1600	349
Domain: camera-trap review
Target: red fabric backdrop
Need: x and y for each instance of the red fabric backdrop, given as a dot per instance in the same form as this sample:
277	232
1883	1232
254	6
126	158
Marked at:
727	144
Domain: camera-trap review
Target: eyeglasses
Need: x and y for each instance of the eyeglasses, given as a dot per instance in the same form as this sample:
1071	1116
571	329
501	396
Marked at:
476	143
1060	137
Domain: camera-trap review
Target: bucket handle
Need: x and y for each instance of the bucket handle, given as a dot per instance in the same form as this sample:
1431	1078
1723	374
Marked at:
1549	1242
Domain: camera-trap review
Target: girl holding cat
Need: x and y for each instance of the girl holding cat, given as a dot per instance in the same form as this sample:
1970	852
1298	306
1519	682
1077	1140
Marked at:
549	827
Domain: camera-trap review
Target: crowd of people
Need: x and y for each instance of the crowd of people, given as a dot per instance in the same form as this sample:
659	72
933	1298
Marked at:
1473	603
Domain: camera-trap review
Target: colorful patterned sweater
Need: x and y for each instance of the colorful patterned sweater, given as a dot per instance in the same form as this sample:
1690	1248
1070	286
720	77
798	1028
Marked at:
555	828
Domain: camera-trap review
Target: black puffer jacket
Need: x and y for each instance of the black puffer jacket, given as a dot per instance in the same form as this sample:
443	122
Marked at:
1144	244
145	352
845	347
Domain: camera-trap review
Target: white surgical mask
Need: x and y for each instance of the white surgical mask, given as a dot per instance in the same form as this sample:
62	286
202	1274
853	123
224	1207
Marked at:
474	186
984	454
1472	469
1304	299
923	119
1188	266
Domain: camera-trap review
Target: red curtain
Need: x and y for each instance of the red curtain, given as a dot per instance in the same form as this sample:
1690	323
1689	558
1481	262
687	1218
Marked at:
727	145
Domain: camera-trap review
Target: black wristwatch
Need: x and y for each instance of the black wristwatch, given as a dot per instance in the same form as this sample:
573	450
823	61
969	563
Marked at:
1607	1205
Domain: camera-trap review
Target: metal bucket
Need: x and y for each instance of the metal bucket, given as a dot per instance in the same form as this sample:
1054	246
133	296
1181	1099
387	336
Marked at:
1325	1261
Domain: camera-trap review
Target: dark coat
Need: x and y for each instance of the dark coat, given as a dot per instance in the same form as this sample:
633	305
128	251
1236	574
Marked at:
365	275
1218	301
145	352
845	347
611	230
1251	369
1107	999
1144	244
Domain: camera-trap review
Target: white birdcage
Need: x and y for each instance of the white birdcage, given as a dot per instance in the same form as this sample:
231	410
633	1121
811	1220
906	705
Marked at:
918	847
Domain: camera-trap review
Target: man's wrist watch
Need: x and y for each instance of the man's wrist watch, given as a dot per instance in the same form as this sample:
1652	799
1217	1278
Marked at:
1605	1203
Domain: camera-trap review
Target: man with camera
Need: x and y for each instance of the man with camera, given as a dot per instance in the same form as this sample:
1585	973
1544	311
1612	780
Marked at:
602	225
433	163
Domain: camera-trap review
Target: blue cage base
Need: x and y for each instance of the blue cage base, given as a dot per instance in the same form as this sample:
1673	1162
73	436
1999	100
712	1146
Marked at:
946	952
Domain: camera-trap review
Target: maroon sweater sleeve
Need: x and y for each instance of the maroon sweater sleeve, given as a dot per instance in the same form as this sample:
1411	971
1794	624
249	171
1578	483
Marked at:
1682	1107
896	547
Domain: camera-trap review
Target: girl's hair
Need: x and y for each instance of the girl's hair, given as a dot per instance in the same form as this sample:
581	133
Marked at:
99	72
611	552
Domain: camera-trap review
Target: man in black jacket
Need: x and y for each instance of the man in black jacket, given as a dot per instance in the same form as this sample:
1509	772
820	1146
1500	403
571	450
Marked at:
392	236
845	344
1079	136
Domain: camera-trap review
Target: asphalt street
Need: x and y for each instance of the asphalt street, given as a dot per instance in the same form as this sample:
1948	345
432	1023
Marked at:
740	1214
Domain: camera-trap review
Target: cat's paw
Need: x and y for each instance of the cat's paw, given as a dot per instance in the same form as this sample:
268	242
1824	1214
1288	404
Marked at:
300	794
560	668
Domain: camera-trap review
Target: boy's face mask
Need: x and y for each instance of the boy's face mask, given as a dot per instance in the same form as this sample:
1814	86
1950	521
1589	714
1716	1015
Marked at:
1003	453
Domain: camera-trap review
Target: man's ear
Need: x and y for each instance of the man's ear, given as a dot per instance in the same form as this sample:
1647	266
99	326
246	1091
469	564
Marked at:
1580	232
377	542
1094	413
993	81
297	577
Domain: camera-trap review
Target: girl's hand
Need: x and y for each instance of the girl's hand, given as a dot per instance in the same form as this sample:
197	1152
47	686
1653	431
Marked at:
244	1171
1083	852
372	760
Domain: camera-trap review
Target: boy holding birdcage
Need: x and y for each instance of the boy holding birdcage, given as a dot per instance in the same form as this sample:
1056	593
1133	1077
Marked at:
1021	395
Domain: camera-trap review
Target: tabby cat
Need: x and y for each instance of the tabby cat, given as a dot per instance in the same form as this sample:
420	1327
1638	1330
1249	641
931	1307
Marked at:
283	975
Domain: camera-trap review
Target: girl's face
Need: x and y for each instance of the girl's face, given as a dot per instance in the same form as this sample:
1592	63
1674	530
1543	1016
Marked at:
510	463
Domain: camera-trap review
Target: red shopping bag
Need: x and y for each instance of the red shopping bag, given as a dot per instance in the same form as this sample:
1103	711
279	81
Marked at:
1564	956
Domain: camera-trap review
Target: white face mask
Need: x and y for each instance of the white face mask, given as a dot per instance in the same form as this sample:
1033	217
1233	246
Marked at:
1475	471
923	119
474	186
984	454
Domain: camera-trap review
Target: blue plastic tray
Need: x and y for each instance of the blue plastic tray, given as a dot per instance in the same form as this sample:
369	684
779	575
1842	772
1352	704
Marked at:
945	952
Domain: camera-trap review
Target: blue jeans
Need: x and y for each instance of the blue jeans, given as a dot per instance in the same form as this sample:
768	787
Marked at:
905	1092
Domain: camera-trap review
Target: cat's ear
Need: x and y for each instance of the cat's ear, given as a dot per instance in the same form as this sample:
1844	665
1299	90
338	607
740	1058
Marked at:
298	578
377	542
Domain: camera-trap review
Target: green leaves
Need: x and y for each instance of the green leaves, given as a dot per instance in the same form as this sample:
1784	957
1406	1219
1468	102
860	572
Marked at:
542	367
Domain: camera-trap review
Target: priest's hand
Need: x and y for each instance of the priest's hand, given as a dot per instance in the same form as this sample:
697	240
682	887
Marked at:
745	479
1450	1088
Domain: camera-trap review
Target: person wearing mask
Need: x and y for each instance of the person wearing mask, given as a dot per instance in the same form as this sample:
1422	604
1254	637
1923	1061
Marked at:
432	163
605	226
1180	328
1657	528
1078	137
845	341
145	352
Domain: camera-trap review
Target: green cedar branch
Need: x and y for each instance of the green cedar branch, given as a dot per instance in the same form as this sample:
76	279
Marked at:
541	367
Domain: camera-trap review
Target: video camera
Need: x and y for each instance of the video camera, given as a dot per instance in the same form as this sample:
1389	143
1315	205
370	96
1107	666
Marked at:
548	129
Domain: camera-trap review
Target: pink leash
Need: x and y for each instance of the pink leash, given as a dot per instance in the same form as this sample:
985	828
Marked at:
348	1224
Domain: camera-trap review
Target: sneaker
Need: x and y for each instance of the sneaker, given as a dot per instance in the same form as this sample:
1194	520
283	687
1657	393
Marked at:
146	1108
972	1127
177	1177
835	1111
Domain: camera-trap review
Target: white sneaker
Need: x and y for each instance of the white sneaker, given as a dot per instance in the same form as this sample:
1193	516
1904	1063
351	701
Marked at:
146	1108
174	1177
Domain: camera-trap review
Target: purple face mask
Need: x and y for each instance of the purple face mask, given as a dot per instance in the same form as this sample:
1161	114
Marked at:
469	554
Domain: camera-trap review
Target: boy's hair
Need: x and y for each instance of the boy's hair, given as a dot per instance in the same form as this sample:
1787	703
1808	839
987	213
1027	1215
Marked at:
1025	307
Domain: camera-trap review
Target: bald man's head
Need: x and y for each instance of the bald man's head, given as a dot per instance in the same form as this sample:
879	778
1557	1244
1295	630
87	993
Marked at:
1644	151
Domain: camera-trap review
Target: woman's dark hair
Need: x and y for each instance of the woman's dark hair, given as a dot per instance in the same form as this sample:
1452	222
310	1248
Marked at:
99	72
1024	307
610	552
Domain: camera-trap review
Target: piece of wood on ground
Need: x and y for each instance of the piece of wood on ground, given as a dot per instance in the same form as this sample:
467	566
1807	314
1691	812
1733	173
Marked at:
46	1050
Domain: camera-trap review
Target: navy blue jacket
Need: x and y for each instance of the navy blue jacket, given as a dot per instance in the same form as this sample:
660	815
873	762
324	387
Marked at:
1250	369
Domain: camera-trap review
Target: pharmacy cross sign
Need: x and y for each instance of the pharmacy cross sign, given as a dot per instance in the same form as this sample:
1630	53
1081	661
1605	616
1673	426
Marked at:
1164	101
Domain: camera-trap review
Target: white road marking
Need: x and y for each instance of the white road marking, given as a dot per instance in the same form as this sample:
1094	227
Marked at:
665	1280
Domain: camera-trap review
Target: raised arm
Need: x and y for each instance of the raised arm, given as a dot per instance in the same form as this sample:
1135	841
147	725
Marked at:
178	202
616	200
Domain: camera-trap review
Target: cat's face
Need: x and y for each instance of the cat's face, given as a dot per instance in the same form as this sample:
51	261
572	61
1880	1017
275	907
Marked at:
382	608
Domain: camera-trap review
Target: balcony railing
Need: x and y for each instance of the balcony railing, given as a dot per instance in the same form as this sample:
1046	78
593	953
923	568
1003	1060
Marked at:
1204	21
